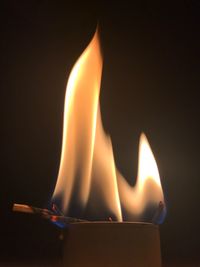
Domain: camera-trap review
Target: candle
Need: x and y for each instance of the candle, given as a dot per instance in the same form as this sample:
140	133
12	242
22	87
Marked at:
90	244
111	244
89	187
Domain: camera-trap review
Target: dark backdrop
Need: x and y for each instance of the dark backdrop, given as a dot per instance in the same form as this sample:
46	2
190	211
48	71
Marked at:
150	83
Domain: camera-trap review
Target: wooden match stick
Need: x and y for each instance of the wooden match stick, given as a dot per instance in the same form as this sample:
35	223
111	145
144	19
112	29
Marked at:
45	213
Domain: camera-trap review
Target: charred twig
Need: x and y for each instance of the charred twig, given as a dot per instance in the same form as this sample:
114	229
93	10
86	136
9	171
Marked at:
30	209
45	213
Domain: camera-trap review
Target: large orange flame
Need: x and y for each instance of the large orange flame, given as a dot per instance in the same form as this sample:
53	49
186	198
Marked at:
87	170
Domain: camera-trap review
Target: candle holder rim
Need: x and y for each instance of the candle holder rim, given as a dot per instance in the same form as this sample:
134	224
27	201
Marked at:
120	224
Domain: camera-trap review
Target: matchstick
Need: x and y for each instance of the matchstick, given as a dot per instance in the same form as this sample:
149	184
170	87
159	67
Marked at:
45	213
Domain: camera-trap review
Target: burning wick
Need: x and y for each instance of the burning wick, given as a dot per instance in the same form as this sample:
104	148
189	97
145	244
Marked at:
158	216
56	216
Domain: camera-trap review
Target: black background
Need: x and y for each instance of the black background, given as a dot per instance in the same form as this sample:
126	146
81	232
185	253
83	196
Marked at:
150	83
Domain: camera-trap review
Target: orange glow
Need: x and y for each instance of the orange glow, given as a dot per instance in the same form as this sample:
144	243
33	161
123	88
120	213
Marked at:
87	166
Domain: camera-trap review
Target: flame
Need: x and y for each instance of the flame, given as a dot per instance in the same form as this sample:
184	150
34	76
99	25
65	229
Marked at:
88	178
148	190
80	149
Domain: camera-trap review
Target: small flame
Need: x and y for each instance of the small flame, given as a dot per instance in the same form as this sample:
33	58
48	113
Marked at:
88	178
147	167
147	191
